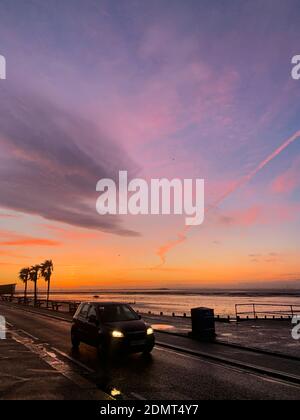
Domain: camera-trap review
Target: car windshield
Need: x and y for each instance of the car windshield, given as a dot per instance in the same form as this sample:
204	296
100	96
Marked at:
117	313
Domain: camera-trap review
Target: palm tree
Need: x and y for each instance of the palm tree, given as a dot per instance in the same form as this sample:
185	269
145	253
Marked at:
46	272
34	275
24	276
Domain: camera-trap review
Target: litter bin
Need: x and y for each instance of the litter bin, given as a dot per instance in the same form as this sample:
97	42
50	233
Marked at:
203	324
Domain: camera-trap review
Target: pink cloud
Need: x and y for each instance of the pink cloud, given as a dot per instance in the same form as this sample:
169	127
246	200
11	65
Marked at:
72	234
260	215
8	216
247	217
183	90
13	239
271	258
288	181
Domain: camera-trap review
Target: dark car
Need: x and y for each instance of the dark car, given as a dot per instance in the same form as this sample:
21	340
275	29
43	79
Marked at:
111	327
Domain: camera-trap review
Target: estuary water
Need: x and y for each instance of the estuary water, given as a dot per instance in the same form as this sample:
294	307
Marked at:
179	301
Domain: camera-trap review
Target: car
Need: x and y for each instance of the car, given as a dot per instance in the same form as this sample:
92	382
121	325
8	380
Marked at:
111	327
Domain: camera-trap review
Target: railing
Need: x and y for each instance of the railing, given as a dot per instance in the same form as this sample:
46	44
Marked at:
54	305
242	310
266	310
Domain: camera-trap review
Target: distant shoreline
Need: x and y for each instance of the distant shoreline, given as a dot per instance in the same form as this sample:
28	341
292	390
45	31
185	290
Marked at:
233	293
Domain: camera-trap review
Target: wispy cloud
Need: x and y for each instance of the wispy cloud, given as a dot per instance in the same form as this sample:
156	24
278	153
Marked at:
51	161
71	234
8	238
252	215
8	216
271	257
288	181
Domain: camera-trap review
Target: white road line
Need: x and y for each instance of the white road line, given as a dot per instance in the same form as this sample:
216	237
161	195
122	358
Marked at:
28	334
138	396
73	360
59	352
56	350
43	315
234	368
22	331
58	365
188	356
200	358
203	360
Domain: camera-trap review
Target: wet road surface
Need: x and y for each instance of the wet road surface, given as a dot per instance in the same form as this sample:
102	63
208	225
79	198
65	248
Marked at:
166	374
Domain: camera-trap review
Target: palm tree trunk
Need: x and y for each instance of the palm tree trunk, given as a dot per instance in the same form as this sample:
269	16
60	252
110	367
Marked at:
25	293
48	292
35	293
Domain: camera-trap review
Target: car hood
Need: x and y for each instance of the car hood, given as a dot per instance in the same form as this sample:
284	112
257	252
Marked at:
127	326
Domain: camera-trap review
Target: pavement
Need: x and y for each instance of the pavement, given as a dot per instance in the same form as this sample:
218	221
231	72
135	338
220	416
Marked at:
273	336
29	373
179	368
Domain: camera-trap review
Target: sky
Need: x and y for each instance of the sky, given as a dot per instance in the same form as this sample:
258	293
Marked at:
162	89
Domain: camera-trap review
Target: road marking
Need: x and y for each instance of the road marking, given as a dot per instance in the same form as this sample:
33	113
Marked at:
58	365
188	356
77	362
234	368
138	396
23	331
53	355
44	315
202	360
73	360
55	372
201	357
28	334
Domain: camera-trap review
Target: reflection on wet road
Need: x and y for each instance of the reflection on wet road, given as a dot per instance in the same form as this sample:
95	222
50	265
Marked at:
166	374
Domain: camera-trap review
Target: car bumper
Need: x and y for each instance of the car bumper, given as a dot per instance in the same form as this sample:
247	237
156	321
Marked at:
125	345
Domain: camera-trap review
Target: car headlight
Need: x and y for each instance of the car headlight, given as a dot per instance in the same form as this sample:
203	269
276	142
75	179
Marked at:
149	331
117	334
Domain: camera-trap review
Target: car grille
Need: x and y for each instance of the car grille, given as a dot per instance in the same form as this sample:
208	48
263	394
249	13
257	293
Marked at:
136	335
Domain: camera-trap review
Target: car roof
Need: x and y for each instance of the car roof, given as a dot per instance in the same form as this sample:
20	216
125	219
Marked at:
105	303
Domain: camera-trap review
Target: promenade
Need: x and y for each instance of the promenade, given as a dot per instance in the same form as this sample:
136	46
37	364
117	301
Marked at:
267	335
179	367
30	372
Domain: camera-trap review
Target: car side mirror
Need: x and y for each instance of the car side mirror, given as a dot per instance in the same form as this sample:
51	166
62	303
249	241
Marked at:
93	319
140	316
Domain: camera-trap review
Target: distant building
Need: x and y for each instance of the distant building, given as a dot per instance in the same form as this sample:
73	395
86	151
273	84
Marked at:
7	290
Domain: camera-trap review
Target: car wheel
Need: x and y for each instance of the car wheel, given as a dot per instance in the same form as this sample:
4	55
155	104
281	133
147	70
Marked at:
75	340
102	350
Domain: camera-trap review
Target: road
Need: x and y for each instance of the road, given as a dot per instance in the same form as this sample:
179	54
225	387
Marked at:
165	375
